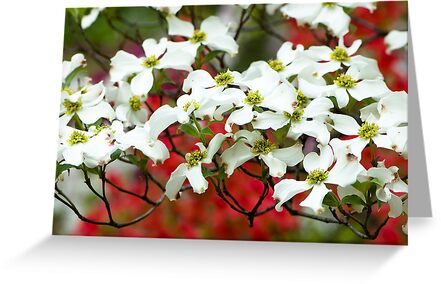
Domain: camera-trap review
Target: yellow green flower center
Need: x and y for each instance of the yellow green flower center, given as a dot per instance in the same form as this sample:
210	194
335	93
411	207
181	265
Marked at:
340	54
329	4
198	36
276	65
253	98
317	176
345	81
135	103
150	62
77	137
68	90
72	107
191	103
263	146
302	100
368	130
296	116
223	79
194	158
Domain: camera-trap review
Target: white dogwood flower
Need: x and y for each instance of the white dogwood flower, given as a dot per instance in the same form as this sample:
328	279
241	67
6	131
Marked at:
264	90
388	181
130	106
73	144
304	117
192	168
87	103
370	130
203	79
158	55
142	139
330	14
212	33
252	144
354	82
343	173
102	144
395	40
200	103
290	62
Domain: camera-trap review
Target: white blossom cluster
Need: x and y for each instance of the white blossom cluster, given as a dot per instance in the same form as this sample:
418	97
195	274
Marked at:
300	93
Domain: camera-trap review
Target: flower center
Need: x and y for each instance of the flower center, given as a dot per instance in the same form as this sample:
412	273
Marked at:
195	157
368	130
68	90
340	54
345	81
189	104
77	137
276	65
328	4
302	100
150	62
72	107
223	79
317	176
253	98
198	36
296	116
135	103
263	146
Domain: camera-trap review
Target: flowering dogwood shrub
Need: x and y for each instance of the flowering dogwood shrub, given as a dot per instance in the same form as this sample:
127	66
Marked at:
304	116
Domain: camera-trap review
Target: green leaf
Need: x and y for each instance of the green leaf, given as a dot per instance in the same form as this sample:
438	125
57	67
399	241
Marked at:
353	200
133	159
331	200
115	155
211	55
281	133
189	129
207	173
73	74
207	131
61	168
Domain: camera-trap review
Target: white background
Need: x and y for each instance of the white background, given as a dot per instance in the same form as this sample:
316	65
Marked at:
31	34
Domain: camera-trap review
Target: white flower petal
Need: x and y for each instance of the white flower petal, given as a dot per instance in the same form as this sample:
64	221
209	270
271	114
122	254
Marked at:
312	128
142	83
350	190
277	168
196	179
92	114
313	161
291	156
345	124
124	64
240	116
269	119
175	182
162	118
200	78
369	89
395	206
152	47
315	197
345	171
395	40
392	109
177	26
214	146
287	189
235	156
